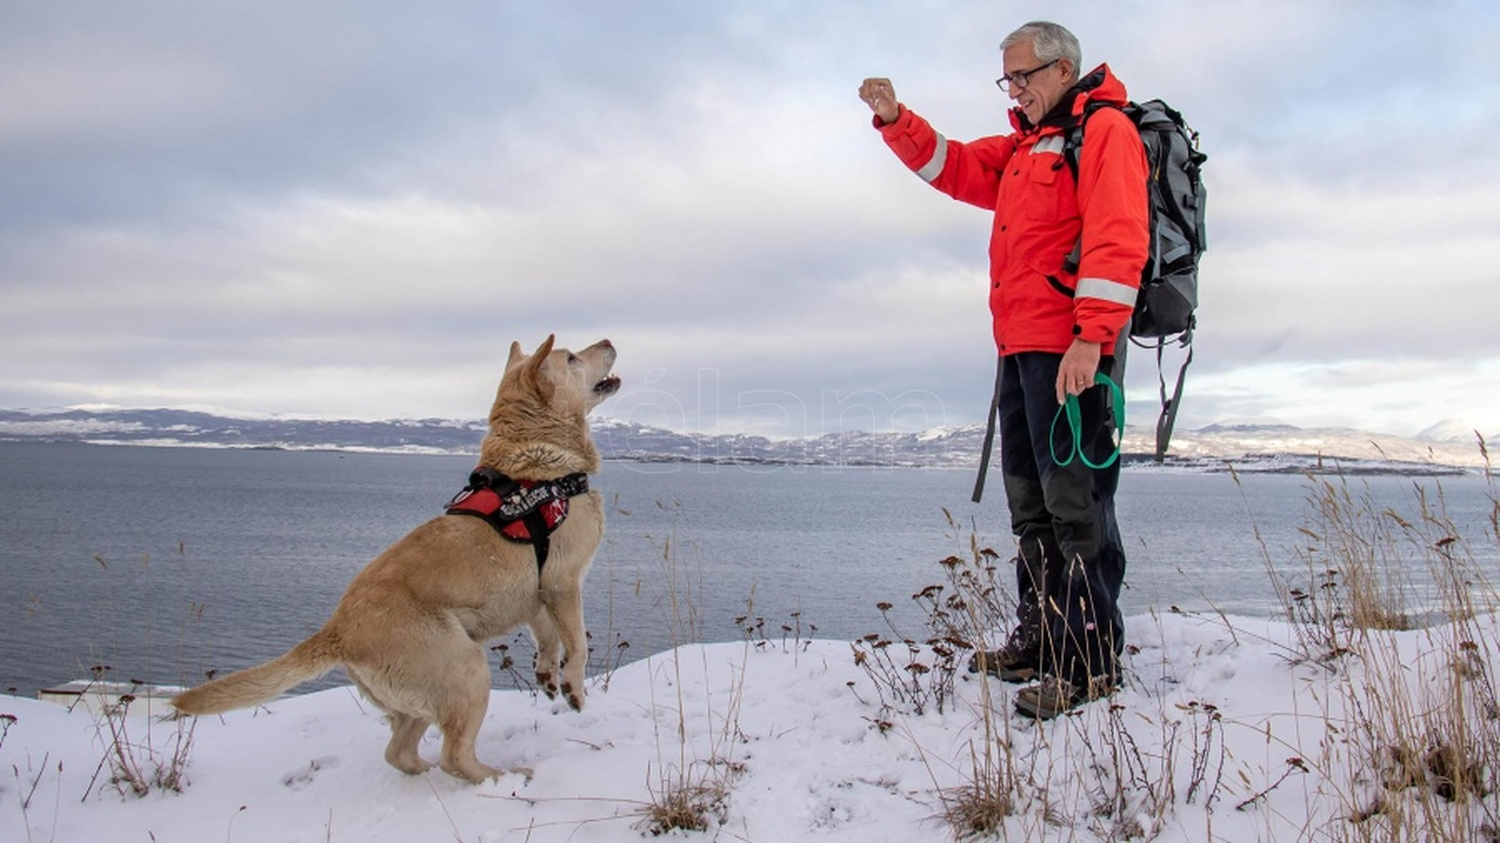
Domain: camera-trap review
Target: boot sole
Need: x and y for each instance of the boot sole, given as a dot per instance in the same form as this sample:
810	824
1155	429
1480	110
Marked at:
1027	708
1042	713
1018	674
1015	674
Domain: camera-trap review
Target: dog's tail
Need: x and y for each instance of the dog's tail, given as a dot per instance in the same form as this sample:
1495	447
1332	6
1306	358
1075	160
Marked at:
256	685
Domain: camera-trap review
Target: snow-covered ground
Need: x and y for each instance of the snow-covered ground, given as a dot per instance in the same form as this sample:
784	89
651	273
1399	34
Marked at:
1221	733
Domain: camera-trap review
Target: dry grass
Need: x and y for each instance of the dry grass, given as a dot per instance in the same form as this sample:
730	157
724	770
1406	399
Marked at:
153	758
690	785
1419	727
680	804
1391	616
144	750
912	675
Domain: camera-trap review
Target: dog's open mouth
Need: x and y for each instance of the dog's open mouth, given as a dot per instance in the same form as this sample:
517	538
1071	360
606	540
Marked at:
608	386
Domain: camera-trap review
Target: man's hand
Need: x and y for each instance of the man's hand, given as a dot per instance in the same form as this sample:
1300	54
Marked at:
881	98
1076	371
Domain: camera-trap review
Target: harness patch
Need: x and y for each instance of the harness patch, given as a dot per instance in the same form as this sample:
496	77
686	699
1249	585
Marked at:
526	511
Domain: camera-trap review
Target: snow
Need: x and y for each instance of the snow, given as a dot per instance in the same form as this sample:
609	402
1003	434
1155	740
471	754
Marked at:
1449	444
1221	732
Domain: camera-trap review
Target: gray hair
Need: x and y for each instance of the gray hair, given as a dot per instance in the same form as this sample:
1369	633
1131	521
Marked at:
1050	41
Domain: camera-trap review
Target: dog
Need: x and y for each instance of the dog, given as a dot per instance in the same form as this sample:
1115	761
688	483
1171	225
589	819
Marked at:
411	628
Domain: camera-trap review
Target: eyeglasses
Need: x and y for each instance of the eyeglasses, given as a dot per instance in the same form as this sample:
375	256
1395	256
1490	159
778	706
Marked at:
1021	78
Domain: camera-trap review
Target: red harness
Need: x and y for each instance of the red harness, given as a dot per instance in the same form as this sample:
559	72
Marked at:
525	511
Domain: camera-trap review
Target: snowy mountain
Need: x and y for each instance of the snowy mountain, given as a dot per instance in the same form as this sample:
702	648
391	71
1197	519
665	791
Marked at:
1247	446
189	428
1453	430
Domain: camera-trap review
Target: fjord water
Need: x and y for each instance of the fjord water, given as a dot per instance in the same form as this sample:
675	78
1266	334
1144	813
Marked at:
164	562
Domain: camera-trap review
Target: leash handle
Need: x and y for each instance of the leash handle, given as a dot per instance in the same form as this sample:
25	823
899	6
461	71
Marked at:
1074	415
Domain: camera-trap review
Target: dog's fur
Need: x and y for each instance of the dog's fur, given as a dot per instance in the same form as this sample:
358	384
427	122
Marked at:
410	630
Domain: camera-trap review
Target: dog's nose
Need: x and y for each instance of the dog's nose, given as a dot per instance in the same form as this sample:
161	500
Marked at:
606	343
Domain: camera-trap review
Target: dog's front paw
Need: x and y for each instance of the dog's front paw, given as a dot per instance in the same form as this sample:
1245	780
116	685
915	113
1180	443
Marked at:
575	700
547	683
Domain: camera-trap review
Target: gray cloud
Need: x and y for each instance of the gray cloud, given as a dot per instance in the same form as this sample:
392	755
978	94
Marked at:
352	209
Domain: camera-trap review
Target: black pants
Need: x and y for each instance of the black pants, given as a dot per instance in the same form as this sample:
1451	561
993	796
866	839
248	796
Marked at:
1072	561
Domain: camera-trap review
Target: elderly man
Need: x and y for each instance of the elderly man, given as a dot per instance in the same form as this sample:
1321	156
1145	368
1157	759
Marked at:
1057	317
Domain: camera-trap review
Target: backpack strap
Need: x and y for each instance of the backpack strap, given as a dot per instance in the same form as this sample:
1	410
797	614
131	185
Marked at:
1073	135
989	431
1168	416
1072	149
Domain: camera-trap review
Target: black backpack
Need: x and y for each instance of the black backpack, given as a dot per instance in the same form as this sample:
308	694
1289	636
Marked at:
1164	308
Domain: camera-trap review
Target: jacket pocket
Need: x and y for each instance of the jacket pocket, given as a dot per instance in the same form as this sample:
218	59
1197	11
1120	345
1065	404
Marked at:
1061	281
1043	198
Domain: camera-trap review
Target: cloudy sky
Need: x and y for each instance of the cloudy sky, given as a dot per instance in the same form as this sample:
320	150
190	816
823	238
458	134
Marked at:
350	209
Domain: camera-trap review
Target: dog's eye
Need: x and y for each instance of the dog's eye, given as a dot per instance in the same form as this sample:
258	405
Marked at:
572	358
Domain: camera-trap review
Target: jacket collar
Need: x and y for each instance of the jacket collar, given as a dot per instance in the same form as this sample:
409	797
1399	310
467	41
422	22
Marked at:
1099	86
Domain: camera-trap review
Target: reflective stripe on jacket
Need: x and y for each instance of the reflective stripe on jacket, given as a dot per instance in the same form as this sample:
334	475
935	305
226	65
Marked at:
1041	211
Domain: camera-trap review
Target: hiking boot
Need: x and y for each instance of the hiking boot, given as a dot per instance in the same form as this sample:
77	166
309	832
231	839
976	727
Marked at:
1053	696
1015	662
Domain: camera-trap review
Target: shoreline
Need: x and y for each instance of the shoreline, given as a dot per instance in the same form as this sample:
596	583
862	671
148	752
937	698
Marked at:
1290	463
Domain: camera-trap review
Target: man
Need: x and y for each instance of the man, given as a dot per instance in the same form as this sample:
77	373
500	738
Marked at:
1057	317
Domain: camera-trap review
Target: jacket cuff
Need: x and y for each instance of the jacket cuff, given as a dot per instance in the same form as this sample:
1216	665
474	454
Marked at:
901	119
1101	334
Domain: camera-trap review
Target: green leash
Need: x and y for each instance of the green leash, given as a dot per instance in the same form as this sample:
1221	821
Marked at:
1075	424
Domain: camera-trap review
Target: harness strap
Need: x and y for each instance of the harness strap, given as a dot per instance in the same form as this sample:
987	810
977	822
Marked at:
520	511
541	537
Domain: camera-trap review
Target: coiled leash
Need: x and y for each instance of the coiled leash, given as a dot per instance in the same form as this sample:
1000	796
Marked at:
1074	415
1069	409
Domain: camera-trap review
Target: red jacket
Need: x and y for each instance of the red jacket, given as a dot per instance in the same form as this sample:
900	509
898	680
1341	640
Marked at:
1040	212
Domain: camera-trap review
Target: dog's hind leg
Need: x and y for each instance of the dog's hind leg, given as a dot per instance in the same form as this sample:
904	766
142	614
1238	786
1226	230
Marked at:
406	729
549	652
406	734
462	691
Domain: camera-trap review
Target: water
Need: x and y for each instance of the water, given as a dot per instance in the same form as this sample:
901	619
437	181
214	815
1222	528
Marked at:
163	562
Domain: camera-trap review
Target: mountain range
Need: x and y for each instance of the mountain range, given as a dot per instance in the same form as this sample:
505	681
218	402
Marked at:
1445	448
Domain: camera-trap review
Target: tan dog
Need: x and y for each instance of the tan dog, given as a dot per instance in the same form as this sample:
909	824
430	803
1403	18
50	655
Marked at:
410	630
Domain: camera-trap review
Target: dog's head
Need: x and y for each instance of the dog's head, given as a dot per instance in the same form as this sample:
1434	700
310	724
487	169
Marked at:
537	422
566	379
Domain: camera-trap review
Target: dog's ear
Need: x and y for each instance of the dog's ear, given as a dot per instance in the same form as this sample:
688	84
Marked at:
531	373
515	355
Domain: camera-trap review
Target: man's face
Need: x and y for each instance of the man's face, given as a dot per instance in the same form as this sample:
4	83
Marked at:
1043	89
